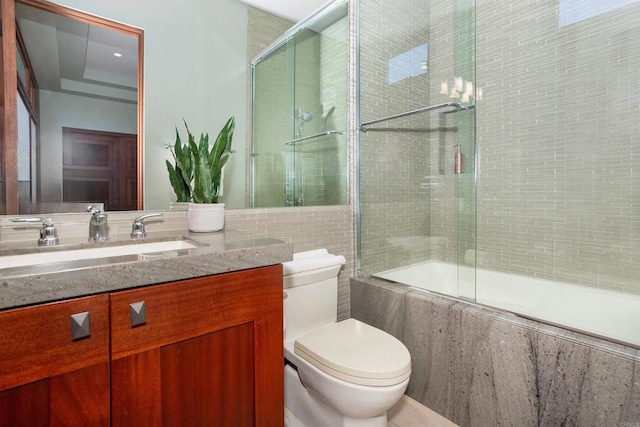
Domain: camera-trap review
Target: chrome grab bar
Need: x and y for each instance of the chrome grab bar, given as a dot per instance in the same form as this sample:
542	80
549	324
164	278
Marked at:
456	105
330	132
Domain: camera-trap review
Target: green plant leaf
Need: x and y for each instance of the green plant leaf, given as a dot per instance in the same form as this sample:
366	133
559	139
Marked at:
220	153
181	174
177	183
223	143
184	161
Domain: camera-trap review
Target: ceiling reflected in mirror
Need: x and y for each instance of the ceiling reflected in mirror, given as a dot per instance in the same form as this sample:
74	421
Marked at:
79	58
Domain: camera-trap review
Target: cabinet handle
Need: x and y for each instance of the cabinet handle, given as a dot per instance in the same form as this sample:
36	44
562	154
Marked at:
80	326
138	313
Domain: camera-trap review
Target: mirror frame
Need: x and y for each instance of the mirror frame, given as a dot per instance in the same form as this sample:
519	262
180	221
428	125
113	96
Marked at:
10	89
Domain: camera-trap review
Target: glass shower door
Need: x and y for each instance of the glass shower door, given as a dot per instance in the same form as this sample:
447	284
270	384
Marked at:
285	113
417	213
271	127
301	158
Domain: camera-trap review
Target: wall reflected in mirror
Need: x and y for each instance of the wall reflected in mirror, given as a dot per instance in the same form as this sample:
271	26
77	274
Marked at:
190	83
299	142
78	111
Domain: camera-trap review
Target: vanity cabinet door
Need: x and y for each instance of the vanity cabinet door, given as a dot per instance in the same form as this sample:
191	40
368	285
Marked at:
207	351
48	378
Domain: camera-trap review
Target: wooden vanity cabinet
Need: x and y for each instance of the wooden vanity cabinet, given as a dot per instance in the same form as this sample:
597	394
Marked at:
208	352
46	377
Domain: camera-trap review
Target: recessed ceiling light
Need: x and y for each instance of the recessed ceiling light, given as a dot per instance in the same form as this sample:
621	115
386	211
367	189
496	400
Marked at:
117	55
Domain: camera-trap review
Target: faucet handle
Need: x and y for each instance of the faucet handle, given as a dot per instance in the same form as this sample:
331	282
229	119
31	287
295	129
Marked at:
137	228
48	232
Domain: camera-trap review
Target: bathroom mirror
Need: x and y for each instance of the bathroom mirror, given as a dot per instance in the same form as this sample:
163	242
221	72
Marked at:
79	103
207	103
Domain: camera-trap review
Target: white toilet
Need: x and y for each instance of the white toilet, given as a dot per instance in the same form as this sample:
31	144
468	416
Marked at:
337	374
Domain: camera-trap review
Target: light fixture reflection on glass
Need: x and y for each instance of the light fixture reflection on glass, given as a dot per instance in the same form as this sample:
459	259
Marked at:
461	89
458	84
117	54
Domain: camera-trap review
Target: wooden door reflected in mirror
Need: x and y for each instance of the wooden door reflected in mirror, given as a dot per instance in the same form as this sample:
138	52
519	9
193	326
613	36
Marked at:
79	78
99	166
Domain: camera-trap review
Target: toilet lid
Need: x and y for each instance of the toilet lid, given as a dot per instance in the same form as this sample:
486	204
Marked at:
356	352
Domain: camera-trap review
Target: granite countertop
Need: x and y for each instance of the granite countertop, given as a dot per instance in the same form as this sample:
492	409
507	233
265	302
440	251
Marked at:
221	252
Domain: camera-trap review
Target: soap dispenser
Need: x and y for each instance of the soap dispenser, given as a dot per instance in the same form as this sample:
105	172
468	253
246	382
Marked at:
457	162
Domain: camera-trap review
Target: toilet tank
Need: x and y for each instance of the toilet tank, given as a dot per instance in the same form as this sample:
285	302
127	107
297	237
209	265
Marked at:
311	300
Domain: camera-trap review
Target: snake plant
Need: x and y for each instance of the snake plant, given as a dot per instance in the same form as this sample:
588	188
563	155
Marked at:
197	174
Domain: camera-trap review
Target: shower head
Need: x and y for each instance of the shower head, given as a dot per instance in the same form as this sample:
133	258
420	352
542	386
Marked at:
326	117
301	118
330	112
306	116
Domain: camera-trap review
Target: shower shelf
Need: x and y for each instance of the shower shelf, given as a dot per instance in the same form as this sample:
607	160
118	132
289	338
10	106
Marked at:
330	132
364	127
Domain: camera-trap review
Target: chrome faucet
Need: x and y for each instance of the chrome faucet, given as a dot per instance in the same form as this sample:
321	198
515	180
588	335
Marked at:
48	232
138	230
98	226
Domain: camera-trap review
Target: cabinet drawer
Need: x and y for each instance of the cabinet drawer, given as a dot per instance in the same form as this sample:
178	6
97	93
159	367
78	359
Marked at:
36	342
182	310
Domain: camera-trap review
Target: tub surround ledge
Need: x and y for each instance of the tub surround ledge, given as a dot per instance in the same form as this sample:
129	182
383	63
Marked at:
480	367
223	252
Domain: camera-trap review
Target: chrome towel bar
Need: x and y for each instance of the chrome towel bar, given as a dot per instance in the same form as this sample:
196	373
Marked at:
456	105
330	132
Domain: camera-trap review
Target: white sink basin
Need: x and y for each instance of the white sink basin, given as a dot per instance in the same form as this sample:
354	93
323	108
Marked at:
13	261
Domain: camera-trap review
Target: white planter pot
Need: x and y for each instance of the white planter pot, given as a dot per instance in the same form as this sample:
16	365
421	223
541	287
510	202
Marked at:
206	217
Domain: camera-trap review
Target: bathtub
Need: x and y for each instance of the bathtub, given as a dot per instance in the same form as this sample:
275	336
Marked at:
608	314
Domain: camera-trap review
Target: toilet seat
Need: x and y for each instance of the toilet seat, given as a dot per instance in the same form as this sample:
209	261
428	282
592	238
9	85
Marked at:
357	353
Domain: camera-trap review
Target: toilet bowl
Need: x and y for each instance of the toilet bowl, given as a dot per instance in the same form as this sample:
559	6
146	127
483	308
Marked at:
342	374
354	390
